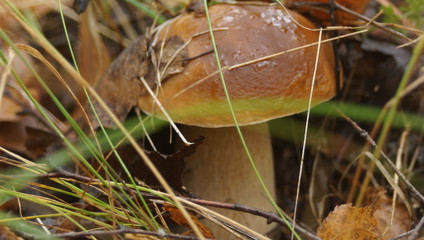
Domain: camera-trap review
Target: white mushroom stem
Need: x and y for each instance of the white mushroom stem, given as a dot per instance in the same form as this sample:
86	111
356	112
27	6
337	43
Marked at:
220	171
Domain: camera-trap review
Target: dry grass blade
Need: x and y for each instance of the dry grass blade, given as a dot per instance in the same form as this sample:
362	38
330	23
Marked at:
302	158
4	75
164	112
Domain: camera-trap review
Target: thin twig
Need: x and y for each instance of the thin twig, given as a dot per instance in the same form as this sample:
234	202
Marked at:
365	134
413	234
340	7
375	23
405	234
269	216
416	230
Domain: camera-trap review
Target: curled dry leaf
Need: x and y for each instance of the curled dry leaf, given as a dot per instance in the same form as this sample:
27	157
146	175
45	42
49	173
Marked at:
179	219
390	222
349	223
93	57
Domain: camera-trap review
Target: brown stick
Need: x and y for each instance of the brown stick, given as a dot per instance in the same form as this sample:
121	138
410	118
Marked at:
365	135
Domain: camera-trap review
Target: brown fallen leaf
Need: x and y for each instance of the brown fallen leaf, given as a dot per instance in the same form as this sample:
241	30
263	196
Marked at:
179	219
9	110
93	57
349	223
39	141
14	136
382	210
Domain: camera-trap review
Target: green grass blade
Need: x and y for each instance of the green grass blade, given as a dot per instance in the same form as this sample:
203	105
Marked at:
227	96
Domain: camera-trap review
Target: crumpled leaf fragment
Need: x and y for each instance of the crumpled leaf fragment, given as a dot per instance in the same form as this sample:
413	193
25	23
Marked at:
179	219
349	223
382	208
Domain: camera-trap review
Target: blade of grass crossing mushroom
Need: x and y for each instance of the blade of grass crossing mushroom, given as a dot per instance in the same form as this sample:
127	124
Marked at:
187	143
227	96
302	158
292	50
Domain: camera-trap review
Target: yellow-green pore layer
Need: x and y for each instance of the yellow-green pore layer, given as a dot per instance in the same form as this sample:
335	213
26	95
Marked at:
261	91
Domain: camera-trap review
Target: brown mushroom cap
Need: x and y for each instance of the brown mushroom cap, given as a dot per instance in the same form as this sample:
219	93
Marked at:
261	91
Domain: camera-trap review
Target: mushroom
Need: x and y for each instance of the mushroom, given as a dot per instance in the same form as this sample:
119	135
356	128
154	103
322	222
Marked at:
265	89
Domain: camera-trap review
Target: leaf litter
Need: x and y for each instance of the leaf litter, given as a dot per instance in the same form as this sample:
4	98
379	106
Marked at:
349	223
